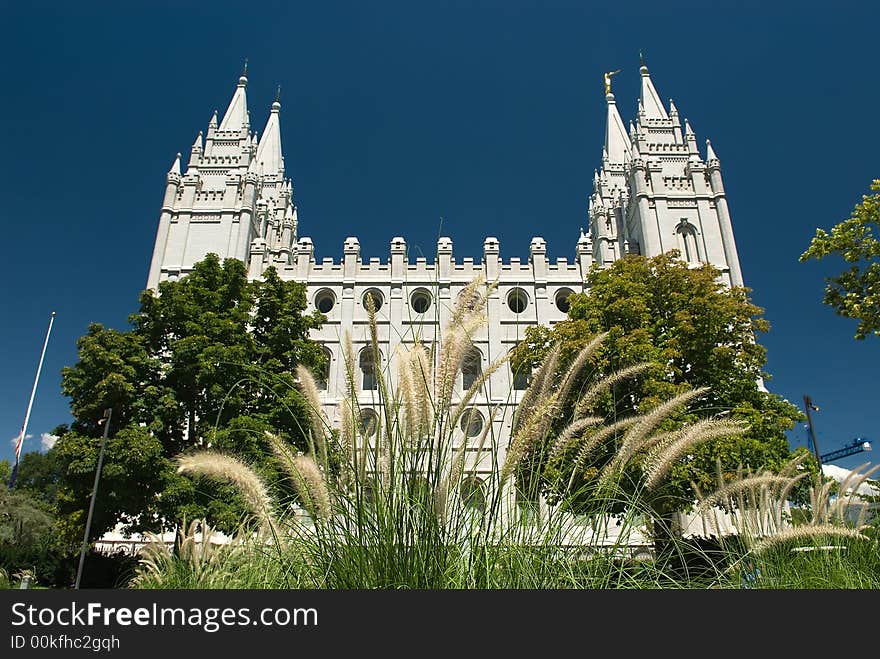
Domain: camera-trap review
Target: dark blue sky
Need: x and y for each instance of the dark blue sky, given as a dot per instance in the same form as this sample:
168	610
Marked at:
488	114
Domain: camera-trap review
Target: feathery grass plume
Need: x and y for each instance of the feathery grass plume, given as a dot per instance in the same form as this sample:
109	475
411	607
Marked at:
475	389
530	430
578	364
226	468
657	440
550	380
470	300
594	441
309	389
807	532
791	467
382	385
635	436
660	461
414	374
307	478
725	493
315	486
348	437
784	494
407	390
467	316
203	559
571	433
460	454
422	379
348	362
819	500
532	395
604	384
452	352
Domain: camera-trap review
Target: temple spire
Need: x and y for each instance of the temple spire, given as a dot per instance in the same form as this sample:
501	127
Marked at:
269	150
236	114
710	152
649	98
617	145
175	168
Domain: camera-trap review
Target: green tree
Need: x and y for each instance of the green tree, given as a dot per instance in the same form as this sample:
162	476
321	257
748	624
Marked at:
855	293
698	333
26	531
208	362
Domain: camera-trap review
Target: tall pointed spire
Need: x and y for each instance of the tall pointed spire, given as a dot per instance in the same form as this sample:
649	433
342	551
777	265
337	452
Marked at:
710	152
175	168
236	114
649	98
269	151
616	141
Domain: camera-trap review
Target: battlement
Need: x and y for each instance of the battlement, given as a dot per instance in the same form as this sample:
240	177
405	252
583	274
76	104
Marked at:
444	265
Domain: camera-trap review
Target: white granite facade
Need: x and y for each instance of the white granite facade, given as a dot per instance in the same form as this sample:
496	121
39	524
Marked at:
654	192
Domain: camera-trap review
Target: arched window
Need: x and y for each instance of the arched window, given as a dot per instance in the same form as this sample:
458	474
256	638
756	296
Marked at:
519	377
367	363
687	242
471	368
323	379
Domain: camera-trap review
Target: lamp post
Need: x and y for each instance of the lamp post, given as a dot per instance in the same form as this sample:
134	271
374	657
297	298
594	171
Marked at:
82	556
808	406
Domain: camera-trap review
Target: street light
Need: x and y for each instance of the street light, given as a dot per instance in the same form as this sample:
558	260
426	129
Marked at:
82	556
808	406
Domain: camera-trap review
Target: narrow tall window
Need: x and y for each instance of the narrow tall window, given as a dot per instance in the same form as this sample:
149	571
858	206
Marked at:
471	368
323	379
367	365
687	242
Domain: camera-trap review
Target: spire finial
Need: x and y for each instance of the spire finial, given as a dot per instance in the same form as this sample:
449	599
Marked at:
643	68
608	75
278	94
242	80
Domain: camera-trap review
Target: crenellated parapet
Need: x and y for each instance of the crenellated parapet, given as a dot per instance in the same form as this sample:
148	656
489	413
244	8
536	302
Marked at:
398	266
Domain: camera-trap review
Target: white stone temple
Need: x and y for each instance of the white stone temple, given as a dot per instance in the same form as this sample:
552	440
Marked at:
654	191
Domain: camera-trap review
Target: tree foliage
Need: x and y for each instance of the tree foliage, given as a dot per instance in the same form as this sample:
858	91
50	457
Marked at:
855	293
208	361
698	333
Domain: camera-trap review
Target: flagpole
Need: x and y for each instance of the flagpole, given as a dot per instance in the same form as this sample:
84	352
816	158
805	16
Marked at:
27	415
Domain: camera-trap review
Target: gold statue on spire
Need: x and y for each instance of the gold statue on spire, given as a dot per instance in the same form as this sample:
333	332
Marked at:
608	75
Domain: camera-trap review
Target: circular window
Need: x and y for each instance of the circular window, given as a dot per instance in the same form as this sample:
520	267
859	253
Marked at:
517	300
325	300
471	493
376	295
369	422
420	300
562	296
471	422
